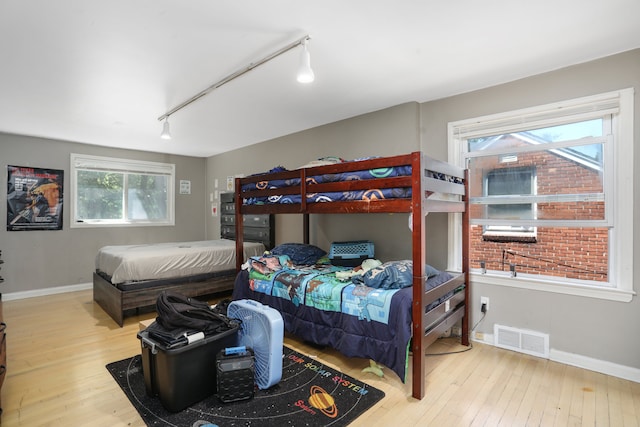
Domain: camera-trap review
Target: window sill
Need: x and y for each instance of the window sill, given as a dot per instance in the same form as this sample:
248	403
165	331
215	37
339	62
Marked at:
101	224
492	236
536	284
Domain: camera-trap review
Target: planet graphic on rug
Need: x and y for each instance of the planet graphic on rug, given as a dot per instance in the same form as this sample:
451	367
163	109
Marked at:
323	401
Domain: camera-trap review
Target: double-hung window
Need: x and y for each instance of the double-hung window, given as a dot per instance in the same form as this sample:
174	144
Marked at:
509	182
118	192
551	196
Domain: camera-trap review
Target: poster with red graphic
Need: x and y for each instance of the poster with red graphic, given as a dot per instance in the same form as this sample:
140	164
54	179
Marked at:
34	198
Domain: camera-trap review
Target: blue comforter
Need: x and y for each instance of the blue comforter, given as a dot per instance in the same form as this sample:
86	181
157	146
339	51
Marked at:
357	320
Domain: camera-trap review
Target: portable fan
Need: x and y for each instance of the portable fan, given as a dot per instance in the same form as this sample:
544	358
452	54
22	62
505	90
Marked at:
261	329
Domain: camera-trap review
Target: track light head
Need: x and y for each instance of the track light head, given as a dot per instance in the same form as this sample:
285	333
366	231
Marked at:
305	73
166	133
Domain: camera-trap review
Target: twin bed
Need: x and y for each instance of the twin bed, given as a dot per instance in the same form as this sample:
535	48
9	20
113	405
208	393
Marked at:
384	314
130	277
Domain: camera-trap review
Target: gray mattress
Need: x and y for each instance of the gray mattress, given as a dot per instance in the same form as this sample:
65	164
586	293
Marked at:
131	263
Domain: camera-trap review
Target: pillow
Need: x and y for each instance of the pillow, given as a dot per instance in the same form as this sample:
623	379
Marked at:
430	271
300	253
323	161
435	281
392	275
269	263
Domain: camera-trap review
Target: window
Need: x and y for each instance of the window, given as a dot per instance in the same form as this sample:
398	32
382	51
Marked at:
510	182
551	196
117	192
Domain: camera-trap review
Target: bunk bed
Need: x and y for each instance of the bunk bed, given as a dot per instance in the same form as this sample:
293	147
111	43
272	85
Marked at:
412	183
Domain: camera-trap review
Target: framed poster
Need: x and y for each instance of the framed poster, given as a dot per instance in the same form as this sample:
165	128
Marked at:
34	198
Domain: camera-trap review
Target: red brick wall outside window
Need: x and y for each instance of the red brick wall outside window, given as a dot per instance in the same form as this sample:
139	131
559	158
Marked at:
576	253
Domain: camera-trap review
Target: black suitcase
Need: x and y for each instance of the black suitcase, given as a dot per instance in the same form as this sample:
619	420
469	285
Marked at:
235	374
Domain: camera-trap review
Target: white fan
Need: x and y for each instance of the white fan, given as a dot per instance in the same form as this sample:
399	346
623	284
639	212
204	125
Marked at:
262	330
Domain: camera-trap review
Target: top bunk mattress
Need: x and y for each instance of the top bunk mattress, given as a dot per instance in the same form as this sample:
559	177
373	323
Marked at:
128	263
365	180
334	196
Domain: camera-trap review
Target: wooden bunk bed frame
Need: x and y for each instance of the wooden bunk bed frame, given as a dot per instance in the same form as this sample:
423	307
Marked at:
423	186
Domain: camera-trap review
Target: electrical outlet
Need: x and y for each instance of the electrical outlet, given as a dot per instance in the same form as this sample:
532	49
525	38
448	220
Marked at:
484	300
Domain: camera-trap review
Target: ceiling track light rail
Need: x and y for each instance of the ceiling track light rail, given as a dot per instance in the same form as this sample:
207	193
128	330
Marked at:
305	75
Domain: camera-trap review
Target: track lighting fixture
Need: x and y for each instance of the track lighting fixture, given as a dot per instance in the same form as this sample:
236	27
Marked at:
305	75
166	134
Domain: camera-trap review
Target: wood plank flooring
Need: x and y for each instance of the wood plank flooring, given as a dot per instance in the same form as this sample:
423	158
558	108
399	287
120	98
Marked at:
58	347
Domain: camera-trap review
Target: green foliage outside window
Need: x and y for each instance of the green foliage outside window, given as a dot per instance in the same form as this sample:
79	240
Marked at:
100	195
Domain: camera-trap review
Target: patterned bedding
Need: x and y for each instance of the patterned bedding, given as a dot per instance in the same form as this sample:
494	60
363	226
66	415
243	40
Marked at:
357	320
345	196
369	194
317	286
354	195
334	177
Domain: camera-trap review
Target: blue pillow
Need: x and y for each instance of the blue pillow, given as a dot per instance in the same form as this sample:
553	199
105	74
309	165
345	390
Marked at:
300	253
430	271
392	275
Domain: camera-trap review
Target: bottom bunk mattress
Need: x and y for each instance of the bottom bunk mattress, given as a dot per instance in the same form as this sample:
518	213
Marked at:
133	263
319	307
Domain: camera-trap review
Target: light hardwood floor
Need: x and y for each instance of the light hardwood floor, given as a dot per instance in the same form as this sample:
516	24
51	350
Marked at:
58	347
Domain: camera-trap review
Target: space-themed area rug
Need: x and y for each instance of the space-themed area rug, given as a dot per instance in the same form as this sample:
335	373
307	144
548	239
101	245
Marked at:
308	394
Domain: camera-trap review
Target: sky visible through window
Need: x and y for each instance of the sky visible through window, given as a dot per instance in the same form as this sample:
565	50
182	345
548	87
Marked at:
575	131
570	131
566	132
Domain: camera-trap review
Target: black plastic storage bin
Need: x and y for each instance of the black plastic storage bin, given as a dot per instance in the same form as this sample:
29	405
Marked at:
185	375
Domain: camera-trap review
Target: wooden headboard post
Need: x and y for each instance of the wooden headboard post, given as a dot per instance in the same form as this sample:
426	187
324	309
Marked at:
419	257
305	227
303	206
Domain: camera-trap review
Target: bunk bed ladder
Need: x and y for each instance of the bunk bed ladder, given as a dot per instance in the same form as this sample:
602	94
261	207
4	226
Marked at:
420	339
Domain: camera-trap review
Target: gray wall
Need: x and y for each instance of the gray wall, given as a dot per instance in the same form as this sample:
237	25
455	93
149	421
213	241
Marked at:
45	259
594	328
590	327
382	133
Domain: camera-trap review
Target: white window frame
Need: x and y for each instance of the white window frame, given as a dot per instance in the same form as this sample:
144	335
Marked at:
513	231
89	162
618	189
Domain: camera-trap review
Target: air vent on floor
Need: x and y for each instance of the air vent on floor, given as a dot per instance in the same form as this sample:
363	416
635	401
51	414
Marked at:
521	340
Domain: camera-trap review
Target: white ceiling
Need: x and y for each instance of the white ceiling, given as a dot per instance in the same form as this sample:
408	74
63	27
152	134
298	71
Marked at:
102	72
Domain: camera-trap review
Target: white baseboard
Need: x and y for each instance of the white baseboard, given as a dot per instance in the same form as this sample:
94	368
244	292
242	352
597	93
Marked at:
483	338
46	291
579	361
602	366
